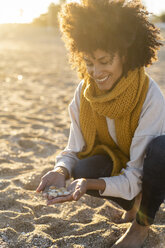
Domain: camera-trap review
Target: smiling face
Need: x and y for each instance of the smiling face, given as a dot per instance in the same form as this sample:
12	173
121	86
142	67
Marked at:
104	68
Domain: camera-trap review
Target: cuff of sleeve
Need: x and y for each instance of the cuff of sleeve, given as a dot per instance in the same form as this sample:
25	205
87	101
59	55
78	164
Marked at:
106	192
62	164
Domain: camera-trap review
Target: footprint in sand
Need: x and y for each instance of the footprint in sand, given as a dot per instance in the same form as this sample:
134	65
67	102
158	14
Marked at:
84	216
57	228
37	126
39	147
23	226
3	184
26	144
9	203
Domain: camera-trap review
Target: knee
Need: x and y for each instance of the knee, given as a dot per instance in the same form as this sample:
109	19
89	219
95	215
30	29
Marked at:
78	171
154	163
156	148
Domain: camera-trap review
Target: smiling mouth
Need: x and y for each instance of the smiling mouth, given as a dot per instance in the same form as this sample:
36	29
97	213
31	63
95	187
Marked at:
102	80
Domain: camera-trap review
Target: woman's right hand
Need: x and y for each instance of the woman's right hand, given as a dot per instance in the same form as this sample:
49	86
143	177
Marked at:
56	177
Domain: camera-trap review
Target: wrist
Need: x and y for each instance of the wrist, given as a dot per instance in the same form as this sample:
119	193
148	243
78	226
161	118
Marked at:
62	171
95	184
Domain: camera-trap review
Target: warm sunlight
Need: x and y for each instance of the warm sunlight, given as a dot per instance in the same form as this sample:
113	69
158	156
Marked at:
22	11
155	6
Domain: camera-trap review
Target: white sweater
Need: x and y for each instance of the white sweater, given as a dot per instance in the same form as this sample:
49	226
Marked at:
151	124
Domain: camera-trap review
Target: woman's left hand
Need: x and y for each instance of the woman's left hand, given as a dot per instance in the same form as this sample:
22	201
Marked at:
77	188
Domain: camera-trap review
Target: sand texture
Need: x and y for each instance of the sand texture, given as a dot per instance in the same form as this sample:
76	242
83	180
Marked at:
36	88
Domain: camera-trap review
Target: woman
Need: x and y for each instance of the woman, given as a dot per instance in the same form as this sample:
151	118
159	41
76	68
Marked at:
116	144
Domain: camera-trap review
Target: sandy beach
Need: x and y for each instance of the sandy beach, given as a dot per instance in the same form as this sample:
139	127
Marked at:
36	86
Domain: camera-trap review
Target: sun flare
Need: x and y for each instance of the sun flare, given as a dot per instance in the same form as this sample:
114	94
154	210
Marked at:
23	11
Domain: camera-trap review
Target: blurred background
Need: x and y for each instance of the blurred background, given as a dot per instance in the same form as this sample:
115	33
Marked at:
44	12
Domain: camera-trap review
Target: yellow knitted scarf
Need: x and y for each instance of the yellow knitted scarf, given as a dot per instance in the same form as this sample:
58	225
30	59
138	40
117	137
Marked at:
123	104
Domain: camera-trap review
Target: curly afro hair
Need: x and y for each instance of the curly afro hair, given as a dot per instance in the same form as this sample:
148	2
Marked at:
113	26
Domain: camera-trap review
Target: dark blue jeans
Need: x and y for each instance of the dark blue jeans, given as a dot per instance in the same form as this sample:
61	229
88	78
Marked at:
153	182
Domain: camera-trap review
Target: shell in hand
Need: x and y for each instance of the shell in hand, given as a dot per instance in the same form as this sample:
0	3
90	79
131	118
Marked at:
55	192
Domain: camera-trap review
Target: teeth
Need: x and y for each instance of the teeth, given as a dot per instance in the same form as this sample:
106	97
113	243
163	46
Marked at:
103	79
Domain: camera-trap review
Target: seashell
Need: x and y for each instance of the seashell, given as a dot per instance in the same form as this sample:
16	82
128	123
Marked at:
54	191
62	188
52	187
66	193
54	194
60	193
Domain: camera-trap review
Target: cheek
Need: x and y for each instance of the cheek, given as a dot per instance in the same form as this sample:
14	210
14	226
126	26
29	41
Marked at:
118	70
89	70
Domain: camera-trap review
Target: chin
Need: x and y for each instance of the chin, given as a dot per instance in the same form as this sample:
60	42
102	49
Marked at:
104	87
101	87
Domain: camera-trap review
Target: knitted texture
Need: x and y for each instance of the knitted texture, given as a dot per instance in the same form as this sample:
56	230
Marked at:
123	104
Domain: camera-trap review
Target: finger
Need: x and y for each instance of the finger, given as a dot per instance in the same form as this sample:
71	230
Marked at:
60	199
41	186
77	194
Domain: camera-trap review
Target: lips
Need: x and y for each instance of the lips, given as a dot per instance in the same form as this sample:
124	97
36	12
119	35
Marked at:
102	80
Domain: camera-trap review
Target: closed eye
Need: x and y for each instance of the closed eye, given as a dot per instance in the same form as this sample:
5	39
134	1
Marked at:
88	63
104	63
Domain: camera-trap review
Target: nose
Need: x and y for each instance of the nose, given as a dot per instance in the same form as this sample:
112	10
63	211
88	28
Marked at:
96	71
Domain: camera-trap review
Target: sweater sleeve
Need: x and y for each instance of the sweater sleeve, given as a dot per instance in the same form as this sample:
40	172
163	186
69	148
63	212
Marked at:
151	124
68	158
